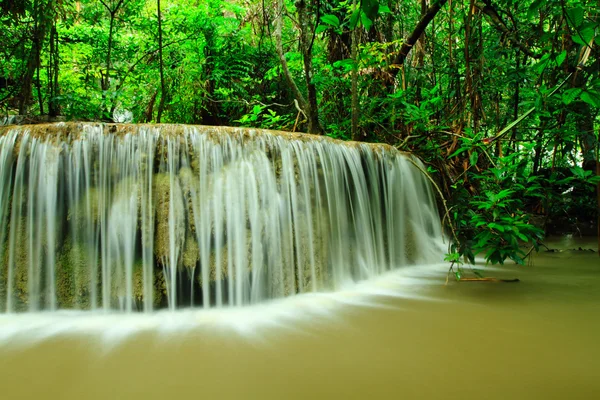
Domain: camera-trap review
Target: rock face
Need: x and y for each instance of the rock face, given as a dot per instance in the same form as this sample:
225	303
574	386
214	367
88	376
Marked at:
136	217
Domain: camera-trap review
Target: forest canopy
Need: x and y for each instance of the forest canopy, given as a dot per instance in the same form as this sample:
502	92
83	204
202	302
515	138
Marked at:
499	98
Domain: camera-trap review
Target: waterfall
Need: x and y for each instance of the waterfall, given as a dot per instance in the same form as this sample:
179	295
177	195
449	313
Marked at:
140	217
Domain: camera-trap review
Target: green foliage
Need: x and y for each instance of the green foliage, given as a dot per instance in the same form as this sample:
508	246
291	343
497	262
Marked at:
505	115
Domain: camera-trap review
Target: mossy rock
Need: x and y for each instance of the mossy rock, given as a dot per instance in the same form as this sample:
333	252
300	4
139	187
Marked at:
315	254
158	285
79	215
21	265
224	260
191	252
162	198
74	269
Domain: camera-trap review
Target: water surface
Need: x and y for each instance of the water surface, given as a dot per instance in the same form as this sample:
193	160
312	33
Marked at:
536	339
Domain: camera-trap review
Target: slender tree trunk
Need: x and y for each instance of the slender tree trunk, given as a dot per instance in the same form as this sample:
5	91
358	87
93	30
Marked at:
53	71
41	11
284	66
420	56
468	73
517	99
355	105
105	83
163	88
38	86
106	80
150	107
305	47
409	43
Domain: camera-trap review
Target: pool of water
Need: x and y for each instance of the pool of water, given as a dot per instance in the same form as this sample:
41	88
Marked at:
406	335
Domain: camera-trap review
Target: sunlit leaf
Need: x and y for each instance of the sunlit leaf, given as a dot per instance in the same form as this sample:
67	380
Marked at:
561	58
331	19
366	21
321	28
592	98
355	18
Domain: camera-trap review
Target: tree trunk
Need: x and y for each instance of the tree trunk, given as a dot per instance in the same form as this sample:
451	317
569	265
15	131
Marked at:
416	34
163	89
355	105
105	82
41	13
306	50
284	66
106	79
53	70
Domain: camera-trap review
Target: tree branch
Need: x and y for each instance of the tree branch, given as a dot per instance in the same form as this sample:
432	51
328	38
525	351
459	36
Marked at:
416	34
280	53
487	8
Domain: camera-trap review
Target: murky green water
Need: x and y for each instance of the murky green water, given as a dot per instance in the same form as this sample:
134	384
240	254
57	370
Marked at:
536	339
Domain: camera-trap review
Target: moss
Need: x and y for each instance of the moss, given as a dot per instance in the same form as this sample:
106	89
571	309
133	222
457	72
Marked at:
78	215
224	254
318	248
162	198
74	276
191	252
20	265
410	242
189	186
158	285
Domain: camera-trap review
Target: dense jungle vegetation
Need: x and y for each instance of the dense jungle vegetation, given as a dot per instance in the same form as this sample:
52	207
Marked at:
499	98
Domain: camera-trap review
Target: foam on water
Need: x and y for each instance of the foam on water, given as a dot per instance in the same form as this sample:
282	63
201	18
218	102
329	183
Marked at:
250	321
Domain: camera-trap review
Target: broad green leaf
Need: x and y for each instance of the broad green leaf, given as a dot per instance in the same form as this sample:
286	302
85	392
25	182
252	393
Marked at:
592	98
496	226
586	36
561	58
504	193
331	19
321	28
355	18
575	16
366	21
578	171
370	8
383	9
570	95
522	237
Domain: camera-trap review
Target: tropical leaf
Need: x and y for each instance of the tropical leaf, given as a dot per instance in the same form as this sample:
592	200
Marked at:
331	19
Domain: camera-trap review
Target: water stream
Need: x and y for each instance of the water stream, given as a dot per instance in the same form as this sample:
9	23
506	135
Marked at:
405	335
131	218
104	298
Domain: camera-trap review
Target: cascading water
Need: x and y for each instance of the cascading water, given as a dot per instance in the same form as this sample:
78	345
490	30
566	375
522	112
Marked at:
133	217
